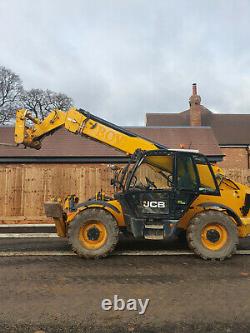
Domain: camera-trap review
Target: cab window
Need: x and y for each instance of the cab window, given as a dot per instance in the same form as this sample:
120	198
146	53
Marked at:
154	172
207	182
186	176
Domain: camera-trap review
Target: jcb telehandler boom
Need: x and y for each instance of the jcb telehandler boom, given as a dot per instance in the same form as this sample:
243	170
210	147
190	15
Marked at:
160	193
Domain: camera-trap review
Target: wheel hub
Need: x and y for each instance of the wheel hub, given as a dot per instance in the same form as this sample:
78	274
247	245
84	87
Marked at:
213	235
93	234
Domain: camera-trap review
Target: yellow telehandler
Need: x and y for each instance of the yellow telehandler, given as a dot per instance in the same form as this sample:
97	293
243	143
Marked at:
160	193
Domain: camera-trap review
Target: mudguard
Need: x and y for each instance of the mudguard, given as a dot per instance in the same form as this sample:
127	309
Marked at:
112	206
220	207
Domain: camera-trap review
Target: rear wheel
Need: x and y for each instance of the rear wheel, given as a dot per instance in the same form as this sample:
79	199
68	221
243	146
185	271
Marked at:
212	235
93	233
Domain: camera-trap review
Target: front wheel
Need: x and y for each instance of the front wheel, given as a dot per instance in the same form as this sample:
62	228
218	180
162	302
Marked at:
212	235
93	233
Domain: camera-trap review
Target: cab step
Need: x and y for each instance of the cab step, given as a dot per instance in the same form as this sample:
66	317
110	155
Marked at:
154	237
154	226
154	232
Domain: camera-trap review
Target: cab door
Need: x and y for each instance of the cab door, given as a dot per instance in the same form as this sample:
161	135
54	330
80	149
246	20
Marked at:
194	177
150	192
187	183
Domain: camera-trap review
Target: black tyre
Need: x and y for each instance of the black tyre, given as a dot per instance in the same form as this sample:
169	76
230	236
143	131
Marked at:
93	233
212	235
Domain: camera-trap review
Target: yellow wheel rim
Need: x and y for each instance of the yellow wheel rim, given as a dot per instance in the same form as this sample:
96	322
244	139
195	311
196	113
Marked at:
214	236
93	235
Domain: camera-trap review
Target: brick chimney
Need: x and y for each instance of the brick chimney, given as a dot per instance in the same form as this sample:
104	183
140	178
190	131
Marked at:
195	108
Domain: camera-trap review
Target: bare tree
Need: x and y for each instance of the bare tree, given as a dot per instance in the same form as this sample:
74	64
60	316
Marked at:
59	100
41	102
10	91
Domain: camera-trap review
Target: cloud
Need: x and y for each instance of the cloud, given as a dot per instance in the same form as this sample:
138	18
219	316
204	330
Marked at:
120	59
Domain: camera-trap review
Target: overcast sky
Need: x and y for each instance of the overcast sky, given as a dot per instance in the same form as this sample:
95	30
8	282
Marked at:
120	59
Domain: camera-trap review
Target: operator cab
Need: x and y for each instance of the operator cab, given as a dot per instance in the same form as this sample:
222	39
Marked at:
160	187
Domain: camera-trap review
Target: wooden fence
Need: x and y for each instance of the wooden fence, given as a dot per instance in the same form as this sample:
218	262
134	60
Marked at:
24	188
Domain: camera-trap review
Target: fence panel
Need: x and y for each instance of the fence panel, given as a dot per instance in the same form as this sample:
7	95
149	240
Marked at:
24	188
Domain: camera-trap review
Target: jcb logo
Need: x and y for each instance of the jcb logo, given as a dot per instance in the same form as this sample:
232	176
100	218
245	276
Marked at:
154	204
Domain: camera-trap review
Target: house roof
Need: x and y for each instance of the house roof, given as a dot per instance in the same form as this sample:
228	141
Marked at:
65	144
229	129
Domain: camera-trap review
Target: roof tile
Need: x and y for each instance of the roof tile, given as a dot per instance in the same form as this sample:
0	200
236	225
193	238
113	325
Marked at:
229	129
64	143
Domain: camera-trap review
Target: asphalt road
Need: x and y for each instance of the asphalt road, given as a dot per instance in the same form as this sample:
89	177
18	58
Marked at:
64	294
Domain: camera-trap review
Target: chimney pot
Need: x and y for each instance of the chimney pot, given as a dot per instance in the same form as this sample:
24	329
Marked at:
194	89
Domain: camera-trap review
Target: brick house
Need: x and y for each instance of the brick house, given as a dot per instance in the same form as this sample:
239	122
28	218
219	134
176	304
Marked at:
232	131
